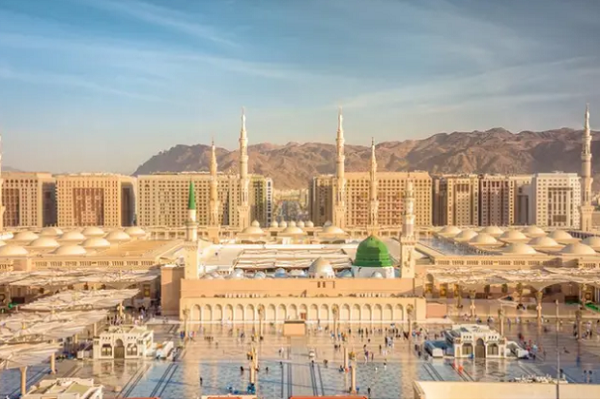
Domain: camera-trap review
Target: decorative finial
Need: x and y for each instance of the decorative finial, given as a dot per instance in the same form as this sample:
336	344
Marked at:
212	141
372	141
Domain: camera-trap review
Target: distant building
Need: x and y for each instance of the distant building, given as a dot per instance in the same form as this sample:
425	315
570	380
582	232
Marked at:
29	199
456	200
556	199
88	199
504	199
65	388
124	342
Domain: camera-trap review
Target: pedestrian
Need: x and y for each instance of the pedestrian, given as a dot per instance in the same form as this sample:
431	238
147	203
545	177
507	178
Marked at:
369	392
201	381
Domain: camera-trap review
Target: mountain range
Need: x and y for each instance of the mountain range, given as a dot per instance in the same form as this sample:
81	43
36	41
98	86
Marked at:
494	151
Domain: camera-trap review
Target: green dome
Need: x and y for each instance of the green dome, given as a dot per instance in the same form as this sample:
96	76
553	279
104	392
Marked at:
372	252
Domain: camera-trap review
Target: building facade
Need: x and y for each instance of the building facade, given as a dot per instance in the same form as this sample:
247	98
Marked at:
95	200
162	199
29	199
456	199
556	200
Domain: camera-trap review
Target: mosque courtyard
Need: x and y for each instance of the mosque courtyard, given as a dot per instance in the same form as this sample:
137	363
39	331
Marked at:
286	369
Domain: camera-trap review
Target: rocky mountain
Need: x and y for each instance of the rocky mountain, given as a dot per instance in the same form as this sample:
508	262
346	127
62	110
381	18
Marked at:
494	151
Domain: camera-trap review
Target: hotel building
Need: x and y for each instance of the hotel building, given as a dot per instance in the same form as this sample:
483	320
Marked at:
29	199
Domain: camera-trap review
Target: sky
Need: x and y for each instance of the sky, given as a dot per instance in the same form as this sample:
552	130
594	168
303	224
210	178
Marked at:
102	85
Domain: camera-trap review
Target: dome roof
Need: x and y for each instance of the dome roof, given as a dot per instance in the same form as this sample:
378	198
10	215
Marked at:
297	273
12	250
512	236
377	275
333	230
25	236
274	224
560	235
73	236
135	231
310	224
292	230
95	243
450	231
492	231
237	274
300	224
260	275
321	268
372	252
345	274
465	235
579	249
51	231
253	230
519	248
117	236
592	241
533	231
92	231
283	224
280	273
70	250
292	224
45	242
483	238
255	223
543	241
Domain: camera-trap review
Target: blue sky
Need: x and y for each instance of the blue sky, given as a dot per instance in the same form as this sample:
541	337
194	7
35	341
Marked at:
101	85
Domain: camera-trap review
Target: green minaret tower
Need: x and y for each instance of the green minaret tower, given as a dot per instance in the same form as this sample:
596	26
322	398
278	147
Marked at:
191	197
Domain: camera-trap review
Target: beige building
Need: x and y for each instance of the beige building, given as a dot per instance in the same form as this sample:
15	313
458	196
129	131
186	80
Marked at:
520	187
456	200
29	199
390	190
95	200
162	199
504	199
556	200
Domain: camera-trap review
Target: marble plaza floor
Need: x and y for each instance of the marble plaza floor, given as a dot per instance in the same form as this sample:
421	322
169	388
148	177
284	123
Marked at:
391	373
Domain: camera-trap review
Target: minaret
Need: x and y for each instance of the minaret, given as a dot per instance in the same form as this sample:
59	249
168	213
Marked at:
586	209
213	219
191	228
408	238
244	207
339	210
373	202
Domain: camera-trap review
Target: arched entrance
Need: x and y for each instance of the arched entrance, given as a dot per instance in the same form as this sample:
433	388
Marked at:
119	349
479	349
467	349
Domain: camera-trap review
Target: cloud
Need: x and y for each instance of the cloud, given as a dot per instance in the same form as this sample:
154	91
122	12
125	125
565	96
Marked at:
162	16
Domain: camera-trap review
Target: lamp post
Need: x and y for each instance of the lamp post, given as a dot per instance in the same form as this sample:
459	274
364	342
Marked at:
558	374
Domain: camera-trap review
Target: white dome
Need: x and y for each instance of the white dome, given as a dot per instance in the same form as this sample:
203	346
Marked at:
513	236
543	241
283	224
450	231
280	273
12	250
492	231
25	236
117	237
70	250
292	224
310	224
579	249
345	274
300	224
95	243
297	273
255	223
274	224
73	236
321	268
333	230
292	230
465	235
253	230
93	231
592	241
559	235
237	274
483	239
45	242
260	275
533	231
377	275
135	231
519	248
326	224
51	231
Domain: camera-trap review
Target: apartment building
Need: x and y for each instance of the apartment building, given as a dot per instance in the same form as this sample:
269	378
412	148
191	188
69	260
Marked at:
90	199
556	198
162	198
520	198
29	199
390	195
456	199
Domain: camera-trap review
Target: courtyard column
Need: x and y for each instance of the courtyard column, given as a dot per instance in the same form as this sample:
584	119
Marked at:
458	295
557	315
579	323
538	307
186	329
346	357
583	290
95	329
501	320
23	381
353	379
53	361
252	374
472	294
409	312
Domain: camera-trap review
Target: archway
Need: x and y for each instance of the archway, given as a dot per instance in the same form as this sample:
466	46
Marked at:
313	313
324	313
196	313
345	313
303	312
467	349
271	313
207	313
250	313
293	312
119	349
493	350
218	314
239	313
228	313
377	313
281	313
367	314
356	314
398	313
479	349
387	313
